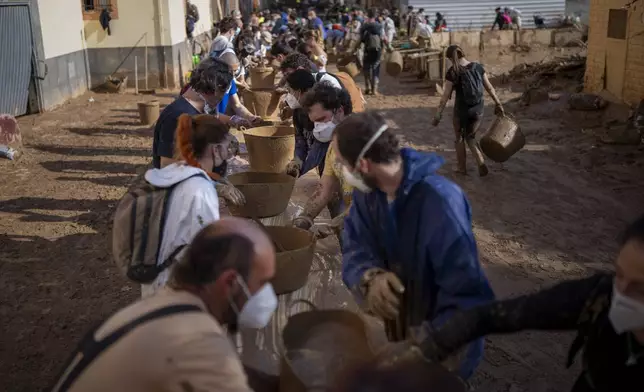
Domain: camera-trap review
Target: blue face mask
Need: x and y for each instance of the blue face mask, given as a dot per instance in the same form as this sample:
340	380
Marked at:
237	31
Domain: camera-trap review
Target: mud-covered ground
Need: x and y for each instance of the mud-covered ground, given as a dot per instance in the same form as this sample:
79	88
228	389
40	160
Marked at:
550	213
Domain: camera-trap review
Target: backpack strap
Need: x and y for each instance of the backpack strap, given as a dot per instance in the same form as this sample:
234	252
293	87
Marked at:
89	349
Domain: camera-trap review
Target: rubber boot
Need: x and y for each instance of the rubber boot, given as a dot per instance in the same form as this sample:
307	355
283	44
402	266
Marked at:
461	155
374	85
367	82
478	156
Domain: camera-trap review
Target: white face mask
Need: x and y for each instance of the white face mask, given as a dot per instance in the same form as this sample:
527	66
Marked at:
258	309
355	179
626	314
323	131
292	102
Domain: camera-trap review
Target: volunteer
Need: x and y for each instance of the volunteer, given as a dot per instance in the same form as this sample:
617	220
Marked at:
228	29
469	80
209	83
606	310
371	36
327	106
232	96
409	253
175	340
295	61
203	145
389	29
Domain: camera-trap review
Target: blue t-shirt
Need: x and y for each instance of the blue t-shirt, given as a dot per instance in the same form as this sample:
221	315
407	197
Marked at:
316	23
163	141
221	107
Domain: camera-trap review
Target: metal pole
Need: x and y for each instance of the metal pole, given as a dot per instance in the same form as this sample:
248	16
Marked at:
146	61
136	75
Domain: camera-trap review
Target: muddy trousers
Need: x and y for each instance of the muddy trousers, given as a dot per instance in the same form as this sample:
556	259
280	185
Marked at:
466	123
371	70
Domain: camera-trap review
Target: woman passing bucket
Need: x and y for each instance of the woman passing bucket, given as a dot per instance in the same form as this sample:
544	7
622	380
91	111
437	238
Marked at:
469	80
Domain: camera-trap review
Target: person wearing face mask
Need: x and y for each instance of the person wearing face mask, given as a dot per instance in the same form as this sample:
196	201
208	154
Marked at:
176	339
209	83
408	249
232	97
606	310
227	32
203	146
327	106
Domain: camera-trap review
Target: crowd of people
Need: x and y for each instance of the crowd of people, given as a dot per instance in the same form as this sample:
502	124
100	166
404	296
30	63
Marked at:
409	254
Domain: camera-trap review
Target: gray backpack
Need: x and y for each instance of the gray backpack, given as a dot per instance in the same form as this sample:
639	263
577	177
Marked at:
137	232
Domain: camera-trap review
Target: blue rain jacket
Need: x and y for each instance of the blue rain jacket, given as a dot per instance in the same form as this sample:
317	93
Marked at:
425	237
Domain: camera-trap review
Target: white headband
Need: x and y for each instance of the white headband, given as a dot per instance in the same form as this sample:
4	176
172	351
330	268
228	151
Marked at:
371	141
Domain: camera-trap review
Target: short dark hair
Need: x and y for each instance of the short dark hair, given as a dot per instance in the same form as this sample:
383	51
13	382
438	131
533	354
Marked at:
210	254
295	61
301	80
355	131
227	24
280	47
634	231
210	76
371	13
330	97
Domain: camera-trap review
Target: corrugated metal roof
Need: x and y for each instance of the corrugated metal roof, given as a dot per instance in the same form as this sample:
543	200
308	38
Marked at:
475	15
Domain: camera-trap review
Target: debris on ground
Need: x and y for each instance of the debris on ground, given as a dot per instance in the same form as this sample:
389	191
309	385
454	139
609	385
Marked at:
571	67
586	102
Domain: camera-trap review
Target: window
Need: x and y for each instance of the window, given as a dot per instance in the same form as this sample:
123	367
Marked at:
92	8
617	20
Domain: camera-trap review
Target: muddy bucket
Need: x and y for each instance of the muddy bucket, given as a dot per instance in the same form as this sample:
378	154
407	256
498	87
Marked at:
348	64
394	64
267	194
503	139
148	112
294	257
262	102
270	148
262	78
318	346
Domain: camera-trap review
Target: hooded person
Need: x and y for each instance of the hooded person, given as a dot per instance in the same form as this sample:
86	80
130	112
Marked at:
408	250
202	144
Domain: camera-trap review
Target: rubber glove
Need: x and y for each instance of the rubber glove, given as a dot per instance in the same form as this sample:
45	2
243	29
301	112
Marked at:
383	292
230	193
293	167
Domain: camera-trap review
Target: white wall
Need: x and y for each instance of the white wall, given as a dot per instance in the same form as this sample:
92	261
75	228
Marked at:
205	16
176	17
135	18
61	23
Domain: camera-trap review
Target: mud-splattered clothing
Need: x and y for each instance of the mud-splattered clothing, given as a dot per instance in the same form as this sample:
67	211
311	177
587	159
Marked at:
334	169
425	237
611	362
182	352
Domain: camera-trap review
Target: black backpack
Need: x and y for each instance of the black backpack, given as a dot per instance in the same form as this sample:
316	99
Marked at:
470	82
372	42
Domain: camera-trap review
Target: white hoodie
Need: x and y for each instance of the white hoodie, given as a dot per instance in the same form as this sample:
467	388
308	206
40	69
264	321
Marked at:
193	205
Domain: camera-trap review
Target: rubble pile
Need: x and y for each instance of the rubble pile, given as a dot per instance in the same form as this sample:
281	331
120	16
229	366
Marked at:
572	67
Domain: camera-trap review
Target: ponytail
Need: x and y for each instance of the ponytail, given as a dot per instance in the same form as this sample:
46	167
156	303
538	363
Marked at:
185	137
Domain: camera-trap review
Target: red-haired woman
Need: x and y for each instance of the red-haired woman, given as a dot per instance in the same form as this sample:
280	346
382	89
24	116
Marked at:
202	145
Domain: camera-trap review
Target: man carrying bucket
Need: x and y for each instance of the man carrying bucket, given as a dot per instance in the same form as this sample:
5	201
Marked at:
408	253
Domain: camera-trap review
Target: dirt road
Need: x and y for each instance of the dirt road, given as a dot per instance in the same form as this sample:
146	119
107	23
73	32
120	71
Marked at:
550	213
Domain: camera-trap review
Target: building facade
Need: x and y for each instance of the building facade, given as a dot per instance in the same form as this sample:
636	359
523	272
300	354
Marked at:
54	50
616	49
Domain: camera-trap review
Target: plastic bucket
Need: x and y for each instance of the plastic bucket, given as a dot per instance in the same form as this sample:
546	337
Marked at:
262	78
262	102
267	194
270	148
349	65
394	64
148	112
503	139
294	257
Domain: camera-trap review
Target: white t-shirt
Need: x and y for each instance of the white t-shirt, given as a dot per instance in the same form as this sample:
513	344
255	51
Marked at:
329	79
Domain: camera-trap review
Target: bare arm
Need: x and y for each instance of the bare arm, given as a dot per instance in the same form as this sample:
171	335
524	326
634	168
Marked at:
447	93
240	109
328	186
490	89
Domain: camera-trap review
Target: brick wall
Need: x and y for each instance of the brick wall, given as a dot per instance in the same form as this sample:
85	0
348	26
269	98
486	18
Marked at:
596	61
634	76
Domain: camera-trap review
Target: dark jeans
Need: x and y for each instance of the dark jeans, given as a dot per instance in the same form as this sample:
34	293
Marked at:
371	65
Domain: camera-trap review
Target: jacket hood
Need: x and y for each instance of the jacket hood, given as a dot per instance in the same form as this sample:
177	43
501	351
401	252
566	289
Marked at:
172	174
418	165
